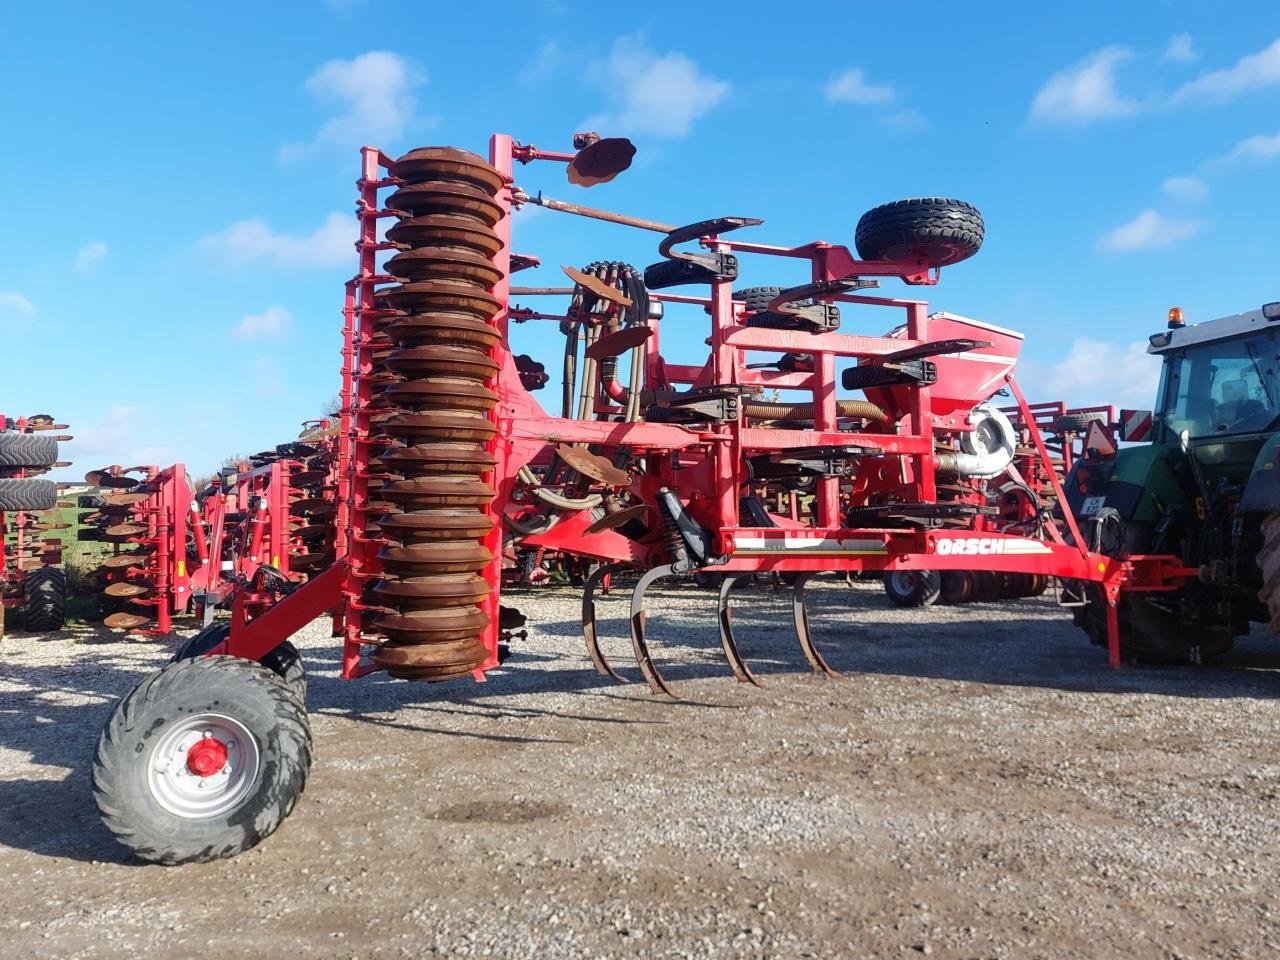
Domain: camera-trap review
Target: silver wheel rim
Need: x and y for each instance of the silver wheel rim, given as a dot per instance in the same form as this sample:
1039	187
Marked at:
191	795
903	582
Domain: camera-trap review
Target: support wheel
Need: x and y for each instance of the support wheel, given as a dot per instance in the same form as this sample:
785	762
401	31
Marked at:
913	588
44	605
201	761
284	661
932	231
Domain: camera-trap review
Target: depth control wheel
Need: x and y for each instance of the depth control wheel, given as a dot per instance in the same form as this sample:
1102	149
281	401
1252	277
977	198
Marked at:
201	760
913	588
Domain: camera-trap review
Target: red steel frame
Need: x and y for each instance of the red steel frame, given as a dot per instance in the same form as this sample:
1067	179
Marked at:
525	432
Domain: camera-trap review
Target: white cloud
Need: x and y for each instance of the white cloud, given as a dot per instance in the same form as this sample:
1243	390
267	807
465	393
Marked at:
374	94
329	245
1187	189
1098	371
116	438
90	254
16	305
660	96
905	121
1149	230
1181	49
851	86
1085	91
1256	71
1260	147
544	62
271	323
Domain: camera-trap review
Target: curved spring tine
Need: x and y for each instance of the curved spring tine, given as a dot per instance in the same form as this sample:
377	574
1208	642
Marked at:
801	615
598	658
731	652
651	674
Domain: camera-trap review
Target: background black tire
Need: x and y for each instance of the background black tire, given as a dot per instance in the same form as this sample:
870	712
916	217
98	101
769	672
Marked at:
28	495
913	588
284	661
1076	422
27	450
757	300
936	231
253	697
44	605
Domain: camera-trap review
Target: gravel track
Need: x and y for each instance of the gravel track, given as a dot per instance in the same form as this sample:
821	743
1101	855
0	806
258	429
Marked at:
977	784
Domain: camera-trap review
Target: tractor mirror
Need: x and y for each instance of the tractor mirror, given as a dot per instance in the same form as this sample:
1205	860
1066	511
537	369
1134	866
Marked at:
1184	440
1271	311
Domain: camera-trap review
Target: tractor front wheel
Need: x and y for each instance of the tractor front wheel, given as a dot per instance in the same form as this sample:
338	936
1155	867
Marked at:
1269	563
201	761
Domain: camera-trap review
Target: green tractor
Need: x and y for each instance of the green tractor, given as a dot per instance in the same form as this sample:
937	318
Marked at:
1205	486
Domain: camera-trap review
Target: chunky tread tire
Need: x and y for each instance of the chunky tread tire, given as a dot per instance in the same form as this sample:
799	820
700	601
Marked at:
27	450
284	661
250	694
1269	563
28	495
1076	422
913	588
936	230
44	606
757	300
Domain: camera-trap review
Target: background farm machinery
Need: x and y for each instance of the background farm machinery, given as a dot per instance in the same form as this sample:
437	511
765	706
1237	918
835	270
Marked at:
791	448
31	579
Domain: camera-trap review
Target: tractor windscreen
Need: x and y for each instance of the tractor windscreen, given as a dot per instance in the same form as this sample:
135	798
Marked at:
1222	387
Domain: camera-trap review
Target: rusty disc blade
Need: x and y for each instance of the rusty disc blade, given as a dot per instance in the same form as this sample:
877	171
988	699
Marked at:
441	393
431	626
125	621
439	458
436	360
445	230
592	465
425	427
430	296
309	562
597	286
431	661
447	163
126	591
124	499
442	196
611	521
425	559
456	329
425	593
601	161
52	525
312	507
438	492
444	263
308	478
616	344
427	525
311	532
123	560
123	531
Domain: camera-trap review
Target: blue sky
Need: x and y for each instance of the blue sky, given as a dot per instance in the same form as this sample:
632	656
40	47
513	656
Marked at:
177	180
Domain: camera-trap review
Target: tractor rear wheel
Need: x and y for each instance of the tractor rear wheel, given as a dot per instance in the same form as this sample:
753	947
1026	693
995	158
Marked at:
933	231
913	588
44	606
201	761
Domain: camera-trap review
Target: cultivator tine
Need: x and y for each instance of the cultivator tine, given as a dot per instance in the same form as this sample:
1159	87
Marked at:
725	616
801	615
598	658
650	670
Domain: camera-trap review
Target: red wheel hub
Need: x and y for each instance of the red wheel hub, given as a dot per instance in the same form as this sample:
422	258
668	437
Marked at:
206	757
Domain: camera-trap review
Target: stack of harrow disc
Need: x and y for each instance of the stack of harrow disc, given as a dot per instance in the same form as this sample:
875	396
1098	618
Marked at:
432	394
127	576
312	495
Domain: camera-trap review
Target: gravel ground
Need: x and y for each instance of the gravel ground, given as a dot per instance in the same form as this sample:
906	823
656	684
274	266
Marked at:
977	784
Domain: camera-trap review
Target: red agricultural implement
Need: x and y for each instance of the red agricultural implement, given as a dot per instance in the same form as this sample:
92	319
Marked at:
31	578
260	528
650	464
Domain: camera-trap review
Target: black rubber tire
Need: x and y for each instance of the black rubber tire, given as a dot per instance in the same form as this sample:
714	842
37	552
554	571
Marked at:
934	231
27	450
246	692
284	661
1076	422
28	495
913	588
44	602
956	587
757	300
